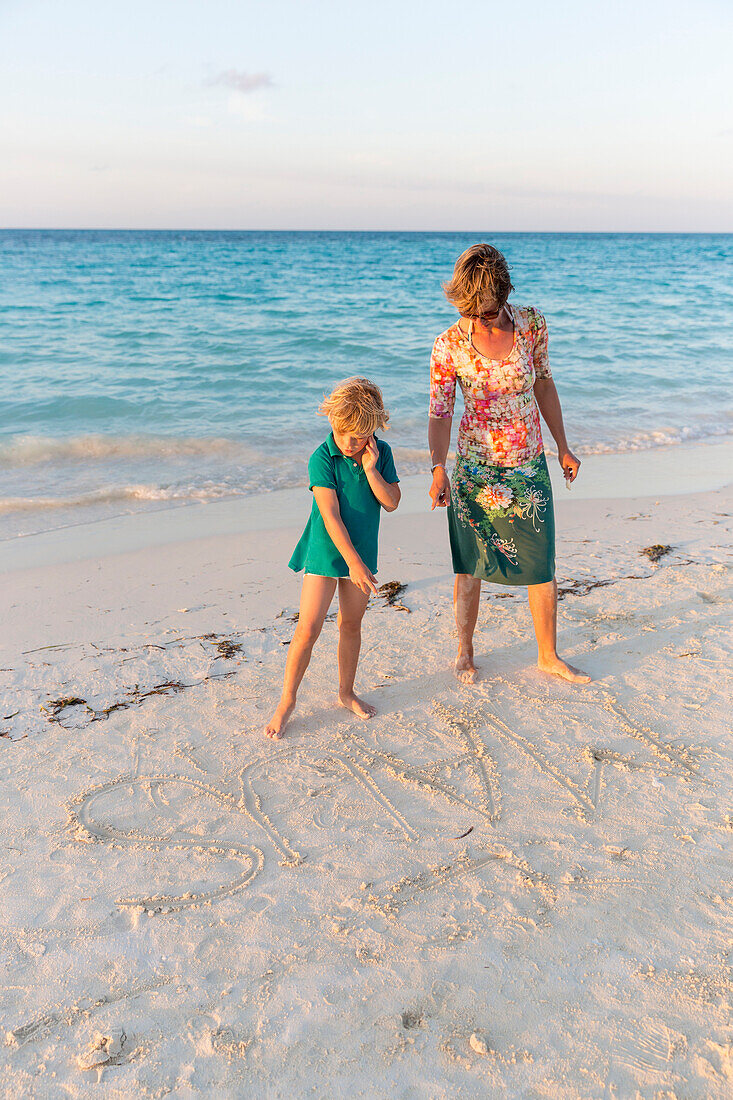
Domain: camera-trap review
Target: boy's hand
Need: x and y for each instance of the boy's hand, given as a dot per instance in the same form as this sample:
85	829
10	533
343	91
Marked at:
370	456
362	577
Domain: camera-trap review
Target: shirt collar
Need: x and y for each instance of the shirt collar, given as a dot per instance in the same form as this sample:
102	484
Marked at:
332	448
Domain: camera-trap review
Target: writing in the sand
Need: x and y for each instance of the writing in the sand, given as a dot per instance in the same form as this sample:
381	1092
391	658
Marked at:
479	798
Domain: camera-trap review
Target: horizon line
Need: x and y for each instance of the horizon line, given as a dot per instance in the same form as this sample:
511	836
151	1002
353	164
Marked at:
445	232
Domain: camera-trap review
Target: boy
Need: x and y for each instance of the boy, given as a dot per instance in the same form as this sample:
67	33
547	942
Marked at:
352	476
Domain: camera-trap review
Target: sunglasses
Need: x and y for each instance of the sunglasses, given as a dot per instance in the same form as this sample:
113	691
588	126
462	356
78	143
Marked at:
490	315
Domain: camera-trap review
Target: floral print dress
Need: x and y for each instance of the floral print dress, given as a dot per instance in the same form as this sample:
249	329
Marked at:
501	518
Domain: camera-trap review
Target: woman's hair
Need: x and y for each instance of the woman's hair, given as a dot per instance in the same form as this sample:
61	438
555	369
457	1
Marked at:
356	406
480	281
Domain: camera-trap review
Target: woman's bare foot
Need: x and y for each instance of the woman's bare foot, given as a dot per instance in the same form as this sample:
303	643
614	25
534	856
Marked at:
276	726
359	707
465	669
555	666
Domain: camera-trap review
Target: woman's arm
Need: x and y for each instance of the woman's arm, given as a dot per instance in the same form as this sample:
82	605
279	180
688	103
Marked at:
439	428
549	405
328	506
387	493
440	418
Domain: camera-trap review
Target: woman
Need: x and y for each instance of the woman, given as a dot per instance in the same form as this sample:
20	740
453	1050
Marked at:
500	511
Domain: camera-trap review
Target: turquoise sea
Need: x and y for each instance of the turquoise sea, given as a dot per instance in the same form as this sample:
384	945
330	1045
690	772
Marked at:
150	369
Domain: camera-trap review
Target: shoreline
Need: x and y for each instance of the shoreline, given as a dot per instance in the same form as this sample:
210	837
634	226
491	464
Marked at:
690	468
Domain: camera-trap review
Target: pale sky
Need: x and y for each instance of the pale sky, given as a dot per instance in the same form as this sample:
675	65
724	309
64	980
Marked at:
336	114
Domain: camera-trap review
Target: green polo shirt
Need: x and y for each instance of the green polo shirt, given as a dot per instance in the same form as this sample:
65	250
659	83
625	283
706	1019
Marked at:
360	510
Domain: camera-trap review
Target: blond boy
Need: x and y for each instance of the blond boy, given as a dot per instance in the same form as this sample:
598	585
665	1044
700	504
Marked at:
352	476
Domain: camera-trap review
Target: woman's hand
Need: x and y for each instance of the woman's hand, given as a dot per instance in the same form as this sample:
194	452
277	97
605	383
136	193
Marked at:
570	465
370	455
440	489
362	577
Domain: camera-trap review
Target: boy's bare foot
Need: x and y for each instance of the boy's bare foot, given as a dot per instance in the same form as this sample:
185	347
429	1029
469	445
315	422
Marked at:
276	726
555	666
466	670
358	706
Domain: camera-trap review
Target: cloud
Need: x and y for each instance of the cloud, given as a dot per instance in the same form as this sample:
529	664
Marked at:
242	82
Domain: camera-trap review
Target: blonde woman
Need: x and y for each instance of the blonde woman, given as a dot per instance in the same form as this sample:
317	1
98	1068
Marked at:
500	510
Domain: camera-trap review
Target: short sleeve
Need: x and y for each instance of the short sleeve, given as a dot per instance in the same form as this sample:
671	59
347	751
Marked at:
540	358
320	470
386	466
442	380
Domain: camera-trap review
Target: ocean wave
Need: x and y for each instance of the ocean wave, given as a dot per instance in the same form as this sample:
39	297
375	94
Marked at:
116	495
658	437
234	469
34	450
414	457
130	497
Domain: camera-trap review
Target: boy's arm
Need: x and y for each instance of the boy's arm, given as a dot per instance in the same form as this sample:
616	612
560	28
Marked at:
387	493
328	506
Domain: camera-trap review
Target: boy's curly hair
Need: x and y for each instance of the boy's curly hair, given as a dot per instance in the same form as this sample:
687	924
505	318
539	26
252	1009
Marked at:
356	405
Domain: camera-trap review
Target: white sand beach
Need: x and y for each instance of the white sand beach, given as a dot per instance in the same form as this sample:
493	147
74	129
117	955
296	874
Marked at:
516	889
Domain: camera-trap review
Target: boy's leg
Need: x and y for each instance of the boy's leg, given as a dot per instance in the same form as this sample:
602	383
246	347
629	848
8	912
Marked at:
315	600
352	605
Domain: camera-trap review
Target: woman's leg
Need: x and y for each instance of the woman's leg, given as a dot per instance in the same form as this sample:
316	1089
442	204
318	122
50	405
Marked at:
466	593
352	605
315	600
543	605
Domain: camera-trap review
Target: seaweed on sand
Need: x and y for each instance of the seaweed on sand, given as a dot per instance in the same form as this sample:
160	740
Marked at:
227	649
655	552
54	707
224	647
391	592
579	588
